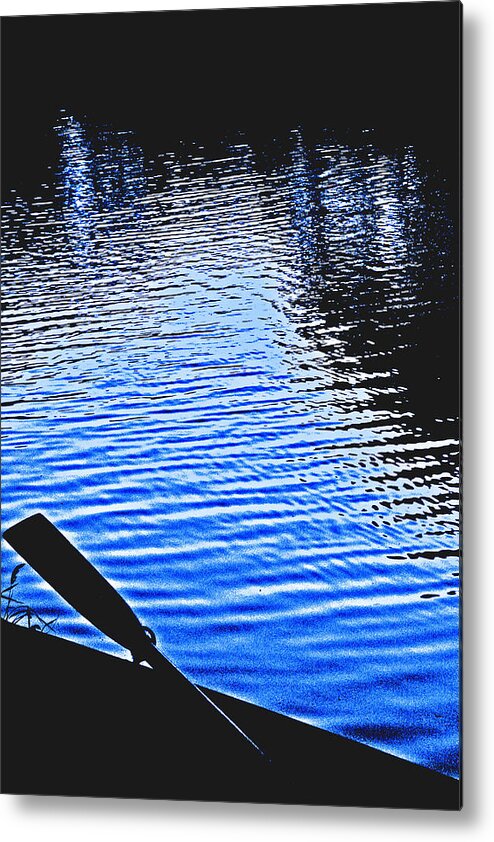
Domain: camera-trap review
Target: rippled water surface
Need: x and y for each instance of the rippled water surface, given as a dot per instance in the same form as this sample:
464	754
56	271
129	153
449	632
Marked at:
229	376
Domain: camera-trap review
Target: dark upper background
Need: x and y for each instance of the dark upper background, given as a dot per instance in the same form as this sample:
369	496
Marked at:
394	67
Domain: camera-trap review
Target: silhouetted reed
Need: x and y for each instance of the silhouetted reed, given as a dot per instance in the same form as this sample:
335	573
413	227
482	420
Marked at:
16	611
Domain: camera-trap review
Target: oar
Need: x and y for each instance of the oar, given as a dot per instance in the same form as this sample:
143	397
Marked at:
57	561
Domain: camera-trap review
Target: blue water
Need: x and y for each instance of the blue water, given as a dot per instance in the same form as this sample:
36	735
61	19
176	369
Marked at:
229	378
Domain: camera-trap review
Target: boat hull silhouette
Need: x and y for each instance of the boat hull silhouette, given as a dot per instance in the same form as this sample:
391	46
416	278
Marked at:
80	722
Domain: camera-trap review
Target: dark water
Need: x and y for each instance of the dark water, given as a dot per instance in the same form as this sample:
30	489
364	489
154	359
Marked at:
230	377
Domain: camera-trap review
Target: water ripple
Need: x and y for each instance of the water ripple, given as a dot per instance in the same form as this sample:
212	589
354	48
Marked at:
224	381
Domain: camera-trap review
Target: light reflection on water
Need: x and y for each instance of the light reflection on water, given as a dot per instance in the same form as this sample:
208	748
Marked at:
228	378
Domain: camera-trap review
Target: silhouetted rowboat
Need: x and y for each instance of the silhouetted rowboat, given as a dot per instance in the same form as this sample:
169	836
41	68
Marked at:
80	722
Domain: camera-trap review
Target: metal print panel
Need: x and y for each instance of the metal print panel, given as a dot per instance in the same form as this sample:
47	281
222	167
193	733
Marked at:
230	361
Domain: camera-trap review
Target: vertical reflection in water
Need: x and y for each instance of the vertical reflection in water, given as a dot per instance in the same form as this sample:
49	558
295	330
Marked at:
119	172
99	175
224	378
306	216
77	181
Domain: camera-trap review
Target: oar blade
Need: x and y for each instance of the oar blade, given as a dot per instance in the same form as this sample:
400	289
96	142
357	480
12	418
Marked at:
60	564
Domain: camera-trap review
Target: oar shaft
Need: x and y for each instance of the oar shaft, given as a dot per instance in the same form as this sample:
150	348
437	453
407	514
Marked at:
208	709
